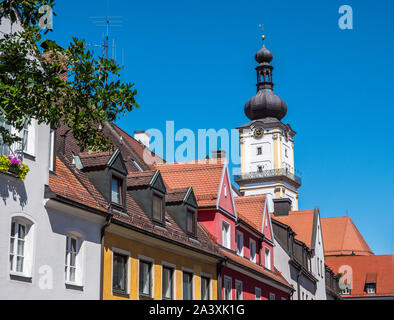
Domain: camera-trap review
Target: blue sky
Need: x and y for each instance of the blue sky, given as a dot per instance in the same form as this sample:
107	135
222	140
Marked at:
193	62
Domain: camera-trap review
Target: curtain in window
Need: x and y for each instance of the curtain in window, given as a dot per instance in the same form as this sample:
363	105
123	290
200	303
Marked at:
167	283
115	191
17	246
119	272
187	286
145	278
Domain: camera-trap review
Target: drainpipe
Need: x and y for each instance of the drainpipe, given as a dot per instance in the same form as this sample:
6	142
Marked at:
298	284
103	228
219	268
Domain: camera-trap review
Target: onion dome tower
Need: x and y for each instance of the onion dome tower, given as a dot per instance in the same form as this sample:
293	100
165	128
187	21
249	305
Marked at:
267	144
265	103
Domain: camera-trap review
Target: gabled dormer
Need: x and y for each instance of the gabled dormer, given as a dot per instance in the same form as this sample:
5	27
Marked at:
182	206
148	190
107	172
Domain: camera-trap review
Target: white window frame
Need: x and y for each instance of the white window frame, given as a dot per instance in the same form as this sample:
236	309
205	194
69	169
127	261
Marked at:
125	253
51	150
226	234
272	296
257	293
239	283
229	280
68	265
27	248
31	138
252	241
240	236
267	262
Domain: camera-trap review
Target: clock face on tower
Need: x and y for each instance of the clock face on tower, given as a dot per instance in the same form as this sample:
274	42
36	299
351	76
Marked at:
258	132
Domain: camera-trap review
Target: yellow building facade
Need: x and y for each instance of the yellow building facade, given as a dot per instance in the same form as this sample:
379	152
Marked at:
139	246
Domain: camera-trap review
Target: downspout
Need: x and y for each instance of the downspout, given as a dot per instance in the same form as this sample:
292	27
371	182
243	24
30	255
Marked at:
103	228
298	284
219	268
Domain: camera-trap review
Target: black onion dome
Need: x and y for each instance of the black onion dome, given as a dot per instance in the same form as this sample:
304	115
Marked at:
264	55
265	104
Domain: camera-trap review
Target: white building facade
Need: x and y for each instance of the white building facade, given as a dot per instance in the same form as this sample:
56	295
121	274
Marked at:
48	249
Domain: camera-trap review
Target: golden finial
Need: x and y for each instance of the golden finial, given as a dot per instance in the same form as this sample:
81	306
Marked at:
262	29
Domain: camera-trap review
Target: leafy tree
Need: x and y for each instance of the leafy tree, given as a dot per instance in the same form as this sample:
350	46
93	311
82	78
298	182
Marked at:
34	85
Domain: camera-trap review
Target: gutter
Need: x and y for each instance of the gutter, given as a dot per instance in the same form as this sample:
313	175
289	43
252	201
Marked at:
103	228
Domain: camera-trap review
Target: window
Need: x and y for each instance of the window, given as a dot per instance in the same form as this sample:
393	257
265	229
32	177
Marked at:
157	208
318	267
257	292
252	250
205	285
286	153
167	286
227	288
187	286
302	296
190	222
25	136
259	168
238	290
119	272
116	195
370	288
321	268
17	247
71	259
259	151
4	149
145	278
240	243
226	234
272	296
51	150
346	290
268	258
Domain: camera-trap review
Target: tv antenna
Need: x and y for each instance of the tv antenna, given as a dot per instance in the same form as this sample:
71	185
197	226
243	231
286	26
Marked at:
107	22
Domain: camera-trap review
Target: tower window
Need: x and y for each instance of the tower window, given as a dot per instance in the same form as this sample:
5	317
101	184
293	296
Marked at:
259	151
259	168
286	155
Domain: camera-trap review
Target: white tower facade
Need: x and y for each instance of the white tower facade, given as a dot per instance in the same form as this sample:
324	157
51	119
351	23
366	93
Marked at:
267	144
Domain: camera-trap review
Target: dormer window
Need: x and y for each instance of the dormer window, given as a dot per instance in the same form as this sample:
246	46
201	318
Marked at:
190	222
117	190
158	208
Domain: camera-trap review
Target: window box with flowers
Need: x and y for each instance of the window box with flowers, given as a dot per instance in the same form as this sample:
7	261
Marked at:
13	166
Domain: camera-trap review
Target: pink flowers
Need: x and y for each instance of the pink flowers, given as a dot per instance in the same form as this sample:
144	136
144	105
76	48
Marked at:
14	160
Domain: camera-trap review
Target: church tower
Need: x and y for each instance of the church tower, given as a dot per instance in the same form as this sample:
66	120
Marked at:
267	144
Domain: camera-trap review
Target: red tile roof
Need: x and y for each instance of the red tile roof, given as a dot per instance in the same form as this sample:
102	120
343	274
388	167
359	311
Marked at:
341	237
379	268
251	210
203	176
139	179
95	159
70	183
301	222
276	275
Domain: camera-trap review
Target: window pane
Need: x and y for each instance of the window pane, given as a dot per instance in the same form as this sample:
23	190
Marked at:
13	229
72	274
11	262
187	286
73	243
145	278
190	222
12	245
157	207
119	272
21	231
205	288
19	264
167	283
21	245
116	186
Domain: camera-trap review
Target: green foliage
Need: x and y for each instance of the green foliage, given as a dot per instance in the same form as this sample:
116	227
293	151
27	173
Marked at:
4	163
32	85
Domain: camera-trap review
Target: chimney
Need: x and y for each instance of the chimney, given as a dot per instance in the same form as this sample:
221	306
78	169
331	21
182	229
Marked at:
282	207
143	137
219	154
